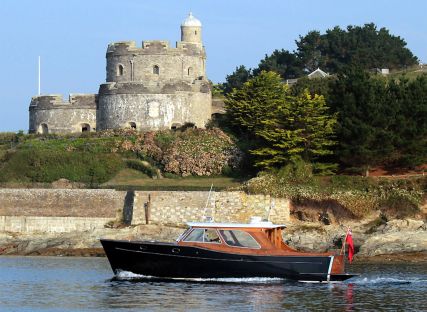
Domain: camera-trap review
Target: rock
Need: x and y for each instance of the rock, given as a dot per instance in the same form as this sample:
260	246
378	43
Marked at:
403	225
29	244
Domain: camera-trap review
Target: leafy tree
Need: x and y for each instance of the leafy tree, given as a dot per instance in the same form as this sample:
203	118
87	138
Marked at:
280	125
237	79
283	62
314	86
411	121
310	51
363	46
365	138
256	102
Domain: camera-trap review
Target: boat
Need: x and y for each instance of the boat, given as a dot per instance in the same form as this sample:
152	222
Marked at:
208	250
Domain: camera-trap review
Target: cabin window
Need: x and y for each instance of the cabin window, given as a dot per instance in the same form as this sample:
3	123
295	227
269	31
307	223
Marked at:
156	70
236	238
120	70
203	236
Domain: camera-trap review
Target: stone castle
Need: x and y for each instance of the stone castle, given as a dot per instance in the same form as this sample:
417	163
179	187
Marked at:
151	87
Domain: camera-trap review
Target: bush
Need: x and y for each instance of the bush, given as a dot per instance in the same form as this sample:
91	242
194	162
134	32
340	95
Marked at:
142	166
358	195
48	166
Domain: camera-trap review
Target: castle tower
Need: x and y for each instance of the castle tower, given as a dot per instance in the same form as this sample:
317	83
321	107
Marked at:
191	30
156	86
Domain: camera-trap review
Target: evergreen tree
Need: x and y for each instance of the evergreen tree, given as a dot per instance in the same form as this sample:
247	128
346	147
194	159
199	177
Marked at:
237	79
279	125
411	120
365	119
283	62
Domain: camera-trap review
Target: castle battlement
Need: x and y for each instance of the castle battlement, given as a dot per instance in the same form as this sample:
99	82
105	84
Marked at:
150	47
75	100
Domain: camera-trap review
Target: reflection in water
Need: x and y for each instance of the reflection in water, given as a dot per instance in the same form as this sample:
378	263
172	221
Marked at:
70	284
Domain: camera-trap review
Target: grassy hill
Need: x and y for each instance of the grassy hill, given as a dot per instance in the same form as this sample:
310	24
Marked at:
193	159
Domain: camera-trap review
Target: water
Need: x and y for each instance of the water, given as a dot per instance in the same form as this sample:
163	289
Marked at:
87	284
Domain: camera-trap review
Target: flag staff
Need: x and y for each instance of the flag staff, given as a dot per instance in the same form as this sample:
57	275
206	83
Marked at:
39	77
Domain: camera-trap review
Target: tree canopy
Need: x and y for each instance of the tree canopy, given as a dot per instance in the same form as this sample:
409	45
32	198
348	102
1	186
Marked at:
364	46
279	125
380	122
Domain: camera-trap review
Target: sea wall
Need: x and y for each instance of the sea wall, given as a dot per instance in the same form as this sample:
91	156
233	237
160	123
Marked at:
71	221
23	224
177	208
68	210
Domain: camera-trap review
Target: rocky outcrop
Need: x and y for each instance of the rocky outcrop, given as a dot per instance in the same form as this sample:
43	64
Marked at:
79	243
389	238
371	238
397	236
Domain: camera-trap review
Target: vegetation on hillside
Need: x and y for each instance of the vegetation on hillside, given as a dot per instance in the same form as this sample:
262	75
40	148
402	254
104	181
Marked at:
279	126
358	196
365	46
96	157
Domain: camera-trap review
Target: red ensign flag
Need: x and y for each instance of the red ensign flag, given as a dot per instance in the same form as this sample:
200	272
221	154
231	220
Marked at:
349	241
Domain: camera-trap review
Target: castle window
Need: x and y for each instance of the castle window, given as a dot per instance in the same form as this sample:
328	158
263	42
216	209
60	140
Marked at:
190	71
195	32
120	70
156	70
132	125
43	129
85	127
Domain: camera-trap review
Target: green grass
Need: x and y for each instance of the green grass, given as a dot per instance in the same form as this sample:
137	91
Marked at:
133	179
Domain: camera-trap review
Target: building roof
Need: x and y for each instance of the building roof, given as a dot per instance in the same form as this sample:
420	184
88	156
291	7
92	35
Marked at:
318	73
191	21
262	225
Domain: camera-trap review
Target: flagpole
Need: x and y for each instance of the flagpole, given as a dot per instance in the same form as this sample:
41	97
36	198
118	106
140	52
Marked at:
39	76
344	242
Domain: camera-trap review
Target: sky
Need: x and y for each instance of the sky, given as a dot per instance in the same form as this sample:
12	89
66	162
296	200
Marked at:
71	37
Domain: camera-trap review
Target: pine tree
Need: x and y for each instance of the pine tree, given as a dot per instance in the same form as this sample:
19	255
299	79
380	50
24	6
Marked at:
280	126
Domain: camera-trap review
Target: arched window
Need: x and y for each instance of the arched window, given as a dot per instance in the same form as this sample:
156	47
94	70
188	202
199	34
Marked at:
43	129
190	71
85	127
120	70
156	70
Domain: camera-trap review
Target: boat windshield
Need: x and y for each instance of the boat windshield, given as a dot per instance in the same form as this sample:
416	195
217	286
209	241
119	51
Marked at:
236	238
203	235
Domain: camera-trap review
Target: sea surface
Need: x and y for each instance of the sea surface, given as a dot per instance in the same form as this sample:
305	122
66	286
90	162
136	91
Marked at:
88	284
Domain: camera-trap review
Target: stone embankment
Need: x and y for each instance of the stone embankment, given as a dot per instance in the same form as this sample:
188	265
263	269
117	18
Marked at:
70	222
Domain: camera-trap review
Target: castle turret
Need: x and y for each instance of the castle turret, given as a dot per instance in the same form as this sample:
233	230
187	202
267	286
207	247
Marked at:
191	30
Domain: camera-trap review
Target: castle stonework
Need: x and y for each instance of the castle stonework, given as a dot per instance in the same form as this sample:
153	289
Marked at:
151	87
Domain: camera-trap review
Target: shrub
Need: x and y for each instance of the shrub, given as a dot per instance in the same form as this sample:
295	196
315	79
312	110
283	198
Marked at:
47	166
358	195
142	166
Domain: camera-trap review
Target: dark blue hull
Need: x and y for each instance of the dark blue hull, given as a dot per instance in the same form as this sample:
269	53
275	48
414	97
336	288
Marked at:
172	261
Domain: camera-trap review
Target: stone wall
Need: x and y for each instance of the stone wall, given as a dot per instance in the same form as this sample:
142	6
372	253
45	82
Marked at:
187	62
61	203
51	114
152	111
67	210
177	208
23	224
